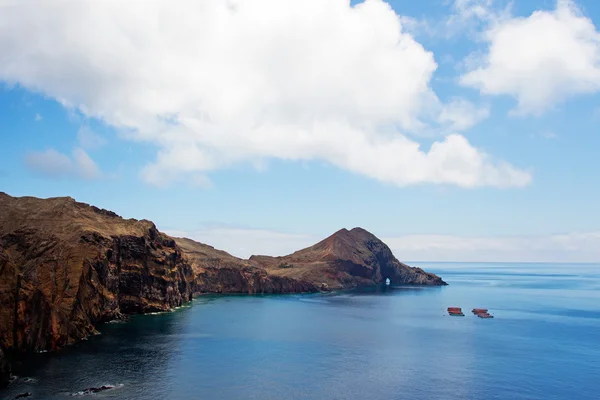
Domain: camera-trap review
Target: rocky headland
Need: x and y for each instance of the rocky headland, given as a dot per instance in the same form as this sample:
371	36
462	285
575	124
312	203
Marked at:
66	266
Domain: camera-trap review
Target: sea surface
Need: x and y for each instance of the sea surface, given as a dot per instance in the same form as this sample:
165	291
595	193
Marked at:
371	344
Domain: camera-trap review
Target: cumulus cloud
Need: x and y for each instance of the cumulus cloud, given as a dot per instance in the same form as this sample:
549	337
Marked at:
215	83
465	17
540	60
461	114
54	164
88	139
468	12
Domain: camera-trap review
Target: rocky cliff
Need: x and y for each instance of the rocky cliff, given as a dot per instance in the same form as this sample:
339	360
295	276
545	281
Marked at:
346	259
66	266
216	271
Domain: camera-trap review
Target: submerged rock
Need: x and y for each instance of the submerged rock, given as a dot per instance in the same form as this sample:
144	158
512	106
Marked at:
93	390
23	395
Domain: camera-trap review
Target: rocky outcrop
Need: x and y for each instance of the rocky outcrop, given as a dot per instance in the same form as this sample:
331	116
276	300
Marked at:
66	266
249	280
216	271
346	259
4	371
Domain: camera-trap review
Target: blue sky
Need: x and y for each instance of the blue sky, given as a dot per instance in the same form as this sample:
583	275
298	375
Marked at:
283	122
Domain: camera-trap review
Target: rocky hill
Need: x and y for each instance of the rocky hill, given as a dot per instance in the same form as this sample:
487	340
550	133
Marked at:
67	266
216	271
348	258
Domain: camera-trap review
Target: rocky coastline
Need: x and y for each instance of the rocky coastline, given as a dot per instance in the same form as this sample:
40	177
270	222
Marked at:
66	267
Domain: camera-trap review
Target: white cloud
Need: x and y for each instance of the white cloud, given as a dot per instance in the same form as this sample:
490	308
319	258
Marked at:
572	247
465	11
86	167
465	17
88	139
461	114
49	162
540	60
54	164
38	117
215	83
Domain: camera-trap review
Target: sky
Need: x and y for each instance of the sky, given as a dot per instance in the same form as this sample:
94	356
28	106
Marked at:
462	130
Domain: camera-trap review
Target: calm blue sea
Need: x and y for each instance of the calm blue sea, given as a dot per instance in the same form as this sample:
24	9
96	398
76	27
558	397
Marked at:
373	344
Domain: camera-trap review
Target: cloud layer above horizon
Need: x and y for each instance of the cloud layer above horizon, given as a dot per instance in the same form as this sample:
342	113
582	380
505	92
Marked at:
220	83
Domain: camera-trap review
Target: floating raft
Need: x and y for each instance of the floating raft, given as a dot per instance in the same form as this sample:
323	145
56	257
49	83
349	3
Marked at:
455	311
482	313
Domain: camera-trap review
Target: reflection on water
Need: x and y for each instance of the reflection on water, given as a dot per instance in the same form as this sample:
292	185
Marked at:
380	342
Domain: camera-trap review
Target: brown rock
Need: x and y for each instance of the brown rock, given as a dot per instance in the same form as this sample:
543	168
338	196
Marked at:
216	271
346	259
66	266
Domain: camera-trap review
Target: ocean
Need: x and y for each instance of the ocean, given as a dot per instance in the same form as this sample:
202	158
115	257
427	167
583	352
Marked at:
373	343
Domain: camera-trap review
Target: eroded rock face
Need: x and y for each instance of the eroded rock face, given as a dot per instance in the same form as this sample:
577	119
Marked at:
216	271
249	280
4	371
66	266
346	259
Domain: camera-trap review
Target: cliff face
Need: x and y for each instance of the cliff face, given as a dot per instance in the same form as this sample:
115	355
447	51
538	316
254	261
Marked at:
216	271
66	266
346	259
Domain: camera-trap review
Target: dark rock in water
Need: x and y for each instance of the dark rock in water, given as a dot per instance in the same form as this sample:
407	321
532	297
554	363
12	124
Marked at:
4	371
23	395
93	390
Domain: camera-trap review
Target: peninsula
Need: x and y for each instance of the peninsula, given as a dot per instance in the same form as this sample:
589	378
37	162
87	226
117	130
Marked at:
66	267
